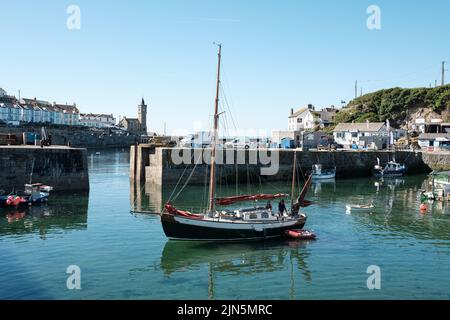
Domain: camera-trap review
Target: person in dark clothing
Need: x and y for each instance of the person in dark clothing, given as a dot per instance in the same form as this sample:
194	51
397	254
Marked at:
269	206
281	208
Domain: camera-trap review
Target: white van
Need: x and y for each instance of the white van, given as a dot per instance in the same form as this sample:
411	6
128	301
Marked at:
241	143
201	139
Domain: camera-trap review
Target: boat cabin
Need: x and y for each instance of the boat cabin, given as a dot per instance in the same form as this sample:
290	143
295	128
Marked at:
393	166
249	214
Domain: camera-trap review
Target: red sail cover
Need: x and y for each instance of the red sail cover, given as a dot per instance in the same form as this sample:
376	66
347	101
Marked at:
231	200
301	199
172	210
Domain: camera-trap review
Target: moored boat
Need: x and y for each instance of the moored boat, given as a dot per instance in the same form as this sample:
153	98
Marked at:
360	208
300	234
318	173
391	169
245	224
33	194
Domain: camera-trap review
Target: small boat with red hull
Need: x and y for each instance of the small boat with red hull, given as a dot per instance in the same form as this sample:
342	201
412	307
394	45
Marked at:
33	194
300	234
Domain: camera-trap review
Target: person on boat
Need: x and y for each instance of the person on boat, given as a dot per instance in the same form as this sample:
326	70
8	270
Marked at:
282	208
269	206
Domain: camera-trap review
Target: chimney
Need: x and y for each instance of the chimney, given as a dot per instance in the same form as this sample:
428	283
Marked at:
292	111
368	123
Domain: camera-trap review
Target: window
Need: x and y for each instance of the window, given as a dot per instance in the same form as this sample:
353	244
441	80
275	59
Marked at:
299	120
253	216
354	135
265	215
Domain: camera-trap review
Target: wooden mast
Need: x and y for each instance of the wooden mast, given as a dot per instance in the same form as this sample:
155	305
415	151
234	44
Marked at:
212	180
294	176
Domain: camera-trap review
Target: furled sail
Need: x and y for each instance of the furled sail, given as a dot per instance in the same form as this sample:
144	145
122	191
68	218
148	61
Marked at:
232	200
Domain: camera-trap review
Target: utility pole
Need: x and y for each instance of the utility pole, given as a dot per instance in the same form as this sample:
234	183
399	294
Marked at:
361	92
443	73
356	89
435	83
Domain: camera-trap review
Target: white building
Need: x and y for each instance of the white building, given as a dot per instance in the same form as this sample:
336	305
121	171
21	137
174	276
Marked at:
360	134
303	119
97	120
308	118
10	111
14	112
27	113
69	114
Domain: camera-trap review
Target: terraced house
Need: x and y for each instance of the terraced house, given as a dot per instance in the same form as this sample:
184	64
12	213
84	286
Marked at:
14	111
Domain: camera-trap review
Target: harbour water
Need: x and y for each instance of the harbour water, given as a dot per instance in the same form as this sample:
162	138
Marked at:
125	255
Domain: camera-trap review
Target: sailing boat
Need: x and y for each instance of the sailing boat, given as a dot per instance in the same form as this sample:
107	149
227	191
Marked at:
252	223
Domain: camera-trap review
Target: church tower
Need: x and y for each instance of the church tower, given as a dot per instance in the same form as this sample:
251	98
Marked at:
142	116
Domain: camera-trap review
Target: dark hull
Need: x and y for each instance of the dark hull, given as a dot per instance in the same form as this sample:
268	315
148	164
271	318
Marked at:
387	174
180	231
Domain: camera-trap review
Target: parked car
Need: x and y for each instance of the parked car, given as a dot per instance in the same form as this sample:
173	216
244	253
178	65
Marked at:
200	139
241	143
327	145
336	146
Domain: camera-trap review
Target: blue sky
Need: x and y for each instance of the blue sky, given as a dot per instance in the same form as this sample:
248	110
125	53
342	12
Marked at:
277	55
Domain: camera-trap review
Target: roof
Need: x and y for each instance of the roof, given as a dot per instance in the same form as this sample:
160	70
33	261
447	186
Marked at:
433	136
363	127
67	108
298	112
97	115
129	120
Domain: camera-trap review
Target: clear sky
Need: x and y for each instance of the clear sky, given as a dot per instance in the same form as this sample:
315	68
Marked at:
277	55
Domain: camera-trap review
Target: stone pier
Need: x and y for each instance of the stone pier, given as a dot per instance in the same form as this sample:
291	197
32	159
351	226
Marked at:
154	166
64	168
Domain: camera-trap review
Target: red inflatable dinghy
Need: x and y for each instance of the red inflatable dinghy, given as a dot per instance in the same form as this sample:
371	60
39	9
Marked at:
300	234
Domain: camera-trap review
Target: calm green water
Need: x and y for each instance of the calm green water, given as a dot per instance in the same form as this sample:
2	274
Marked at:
126	256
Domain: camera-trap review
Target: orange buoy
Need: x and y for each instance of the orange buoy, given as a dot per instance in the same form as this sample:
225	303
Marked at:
423	208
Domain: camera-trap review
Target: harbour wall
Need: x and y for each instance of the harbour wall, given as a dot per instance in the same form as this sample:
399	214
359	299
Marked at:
64	168
80	137
156	166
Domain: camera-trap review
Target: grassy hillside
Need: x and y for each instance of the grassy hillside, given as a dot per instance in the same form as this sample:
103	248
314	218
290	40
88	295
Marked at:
397	104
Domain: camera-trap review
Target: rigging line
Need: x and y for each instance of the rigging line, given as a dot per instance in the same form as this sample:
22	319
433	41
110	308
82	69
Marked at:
229	108
237	176
399	77
231	98
196	161
141	186
272	185
248	180
178	183
206	188
186	183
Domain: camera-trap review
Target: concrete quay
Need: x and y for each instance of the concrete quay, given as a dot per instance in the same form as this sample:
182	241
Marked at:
64	168
155	165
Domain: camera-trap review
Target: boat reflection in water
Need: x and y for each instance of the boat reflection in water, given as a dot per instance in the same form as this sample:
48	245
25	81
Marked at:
398	211
238	259
61	213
